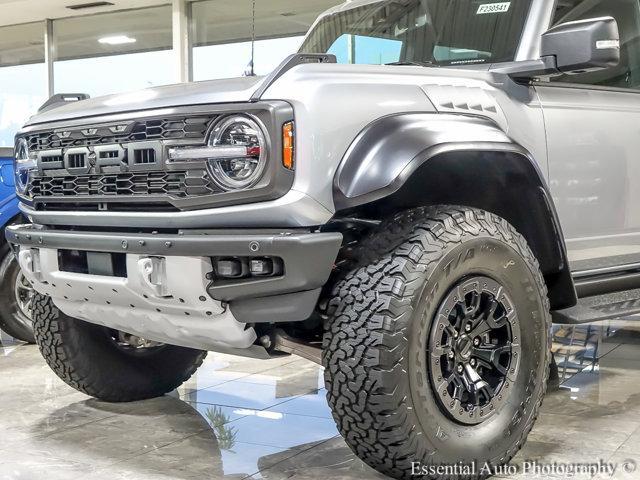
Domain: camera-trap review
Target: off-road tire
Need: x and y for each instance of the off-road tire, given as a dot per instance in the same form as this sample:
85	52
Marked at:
86	358
12	320
374	348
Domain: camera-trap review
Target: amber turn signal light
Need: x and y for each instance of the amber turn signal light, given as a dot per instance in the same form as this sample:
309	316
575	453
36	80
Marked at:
288	138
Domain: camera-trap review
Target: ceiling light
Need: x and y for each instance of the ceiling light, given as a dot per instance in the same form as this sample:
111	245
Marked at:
116	40
83	6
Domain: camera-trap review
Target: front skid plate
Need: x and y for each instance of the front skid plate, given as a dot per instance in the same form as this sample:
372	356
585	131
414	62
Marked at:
186	315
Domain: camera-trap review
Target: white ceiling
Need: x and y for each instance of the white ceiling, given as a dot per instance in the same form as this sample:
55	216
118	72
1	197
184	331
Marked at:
215	21
23	11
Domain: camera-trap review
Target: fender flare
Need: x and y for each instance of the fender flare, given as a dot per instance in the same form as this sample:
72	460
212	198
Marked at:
389	151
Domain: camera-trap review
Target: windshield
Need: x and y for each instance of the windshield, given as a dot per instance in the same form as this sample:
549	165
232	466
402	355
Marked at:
441	32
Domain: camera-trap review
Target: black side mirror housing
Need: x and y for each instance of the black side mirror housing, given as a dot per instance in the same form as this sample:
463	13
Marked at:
572	48
583	46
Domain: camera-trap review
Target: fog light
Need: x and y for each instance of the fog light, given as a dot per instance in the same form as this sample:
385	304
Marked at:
261	266
229	268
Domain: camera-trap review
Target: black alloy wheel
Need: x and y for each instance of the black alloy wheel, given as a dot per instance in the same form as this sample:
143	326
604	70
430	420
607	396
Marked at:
474	350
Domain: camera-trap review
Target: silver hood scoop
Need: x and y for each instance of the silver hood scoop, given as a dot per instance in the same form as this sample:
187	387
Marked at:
198	93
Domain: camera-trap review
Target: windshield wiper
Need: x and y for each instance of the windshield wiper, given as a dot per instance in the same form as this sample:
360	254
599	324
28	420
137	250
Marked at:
414	63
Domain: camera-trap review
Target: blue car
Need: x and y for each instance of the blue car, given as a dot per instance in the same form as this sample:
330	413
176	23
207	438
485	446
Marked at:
15	290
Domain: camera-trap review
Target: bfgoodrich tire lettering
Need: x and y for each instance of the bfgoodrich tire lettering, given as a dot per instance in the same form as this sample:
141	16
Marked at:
86	357
376	340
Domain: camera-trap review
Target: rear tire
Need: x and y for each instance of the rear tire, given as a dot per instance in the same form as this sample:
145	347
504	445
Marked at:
384	372
14	319
87	358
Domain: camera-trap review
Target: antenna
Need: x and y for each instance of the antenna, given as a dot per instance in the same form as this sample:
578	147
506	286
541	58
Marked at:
251	69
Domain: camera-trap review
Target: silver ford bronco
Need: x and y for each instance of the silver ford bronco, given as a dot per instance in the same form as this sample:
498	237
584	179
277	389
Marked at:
389	202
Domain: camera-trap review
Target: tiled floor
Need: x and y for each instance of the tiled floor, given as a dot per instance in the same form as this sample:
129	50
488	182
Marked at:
241	418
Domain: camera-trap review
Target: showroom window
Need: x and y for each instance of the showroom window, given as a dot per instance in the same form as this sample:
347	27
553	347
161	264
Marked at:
22	77
222	31
114	52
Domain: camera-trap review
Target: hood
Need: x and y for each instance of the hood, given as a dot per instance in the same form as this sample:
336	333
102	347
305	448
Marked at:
198	93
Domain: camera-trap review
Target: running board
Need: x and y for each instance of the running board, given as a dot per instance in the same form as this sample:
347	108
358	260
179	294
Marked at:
598	308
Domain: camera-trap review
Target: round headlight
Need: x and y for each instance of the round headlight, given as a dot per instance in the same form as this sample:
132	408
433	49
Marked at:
24	165
244	170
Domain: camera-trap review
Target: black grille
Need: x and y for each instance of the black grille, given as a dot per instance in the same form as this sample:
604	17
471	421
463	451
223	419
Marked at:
178	184
144	156
194	128
77	160
125	206
52	159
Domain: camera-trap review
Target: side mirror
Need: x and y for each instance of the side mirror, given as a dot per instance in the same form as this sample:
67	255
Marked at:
571	48
583	46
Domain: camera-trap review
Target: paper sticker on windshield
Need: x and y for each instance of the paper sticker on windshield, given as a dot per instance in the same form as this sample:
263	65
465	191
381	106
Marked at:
501	7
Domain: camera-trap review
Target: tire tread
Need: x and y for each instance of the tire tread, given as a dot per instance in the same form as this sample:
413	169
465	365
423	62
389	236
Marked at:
368	319
63	345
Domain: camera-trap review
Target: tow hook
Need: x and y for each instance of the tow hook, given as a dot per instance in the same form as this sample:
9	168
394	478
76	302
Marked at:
29	261
154	276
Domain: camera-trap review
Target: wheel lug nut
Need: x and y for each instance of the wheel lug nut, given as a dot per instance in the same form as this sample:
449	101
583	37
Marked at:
467	327
476	342
473	362
460	368
451	355
455	334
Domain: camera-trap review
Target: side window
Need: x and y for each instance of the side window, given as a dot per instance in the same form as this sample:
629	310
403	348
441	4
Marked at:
627	14
366	50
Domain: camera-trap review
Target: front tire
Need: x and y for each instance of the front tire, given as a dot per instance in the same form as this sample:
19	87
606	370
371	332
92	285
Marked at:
407	365
15	300
90	358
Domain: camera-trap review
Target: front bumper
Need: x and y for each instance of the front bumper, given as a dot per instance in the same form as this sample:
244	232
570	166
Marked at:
293	210
180	302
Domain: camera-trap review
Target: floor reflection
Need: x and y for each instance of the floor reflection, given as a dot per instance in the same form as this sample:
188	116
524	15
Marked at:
234	418
243	418
580	348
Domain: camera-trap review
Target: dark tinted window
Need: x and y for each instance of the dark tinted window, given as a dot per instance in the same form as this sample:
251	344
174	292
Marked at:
445	32
627	14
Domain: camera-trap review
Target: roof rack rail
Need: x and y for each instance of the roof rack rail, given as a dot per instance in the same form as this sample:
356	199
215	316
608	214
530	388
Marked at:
60	99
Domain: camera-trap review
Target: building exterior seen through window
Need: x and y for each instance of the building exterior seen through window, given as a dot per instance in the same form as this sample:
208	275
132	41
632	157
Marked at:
22	76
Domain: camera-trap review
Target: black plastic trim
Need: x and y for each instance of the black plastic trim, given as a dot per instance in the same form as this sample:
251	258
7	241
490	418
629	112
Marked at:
598	308
399	159
290	307
388	153
308	257
610	283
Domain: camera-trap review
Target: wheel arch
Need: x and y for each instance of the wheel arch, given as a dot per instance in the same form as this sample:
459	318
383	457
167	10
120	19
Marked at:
5	248
14	218
408	160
